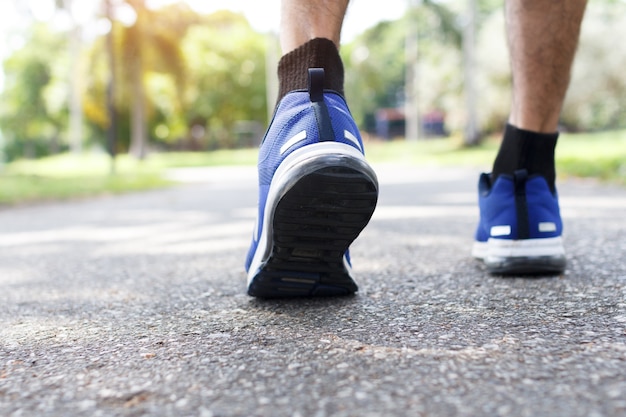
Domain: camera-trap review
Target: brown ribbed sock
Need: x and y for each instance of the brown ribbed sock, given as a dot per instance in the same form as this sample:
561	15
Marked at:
316	53
524	149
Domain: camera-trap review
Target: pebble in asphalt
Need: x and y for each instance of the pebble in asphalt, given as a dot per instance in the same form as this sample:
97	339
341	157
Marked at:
136	305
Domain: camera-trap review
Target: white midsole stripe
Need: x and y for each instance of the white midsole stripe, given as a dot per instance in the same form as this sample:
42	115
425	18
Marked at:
503	230
295	139
547	227
348	135
506	248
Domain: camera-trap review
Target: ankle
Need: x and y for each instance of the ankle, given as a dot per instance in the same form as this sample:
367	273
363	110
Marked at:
316	53
524	149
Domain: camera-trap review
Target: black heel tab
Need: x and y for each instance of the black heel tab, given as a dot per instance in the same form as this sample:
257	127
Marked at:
520	177
316	95
316	84
521	205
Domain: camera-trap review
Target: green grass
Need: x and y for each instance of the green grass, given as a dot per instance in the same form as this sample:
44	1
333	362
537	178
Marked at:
68	176
68	165
199	159
435	152
29	188
597	155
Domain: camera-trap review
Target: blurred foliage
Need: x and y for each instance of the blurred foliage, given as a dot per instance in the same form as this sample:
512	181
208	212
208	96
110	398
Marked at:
225	84
375	67
187	81
597	97
33	111
375	62
199	76
184	81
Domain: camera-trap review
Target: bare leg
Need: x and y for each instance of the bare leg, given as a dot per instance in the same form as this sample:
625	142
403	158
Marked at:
310	34
303	20
542	36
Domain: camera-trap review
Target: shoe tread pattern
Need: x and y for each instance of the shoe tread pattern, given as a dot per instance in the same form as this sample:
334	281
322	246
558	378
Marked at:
314	224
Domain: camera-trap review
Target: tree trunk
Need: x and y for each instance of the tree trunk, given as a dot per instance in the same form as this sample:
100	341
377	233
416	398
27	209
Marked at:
76	107
411	97
111	86
471	135
138	131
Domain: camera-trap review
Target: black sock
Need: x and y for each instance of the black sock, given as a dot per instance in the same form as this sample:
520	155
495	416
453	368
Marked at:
317	53
523	149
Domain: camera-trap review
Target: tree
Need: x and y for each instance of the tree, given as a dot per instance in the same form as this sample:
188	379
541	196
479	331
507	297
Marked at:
375	64
226	67
201	76
597	95
151	44
149	49
33	110
75	131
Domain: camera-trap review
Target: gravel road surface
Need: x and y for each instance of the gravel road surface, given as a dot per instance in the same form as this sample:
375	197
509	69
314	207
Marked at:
135	306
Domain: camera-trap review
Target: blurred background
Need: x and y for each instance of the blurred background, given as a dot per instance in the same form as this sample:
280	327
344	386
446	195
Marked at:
146	77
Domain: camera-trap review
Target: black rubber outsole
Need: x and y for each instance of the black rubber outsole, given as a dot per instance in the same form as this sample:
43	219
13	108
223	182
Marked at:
314	224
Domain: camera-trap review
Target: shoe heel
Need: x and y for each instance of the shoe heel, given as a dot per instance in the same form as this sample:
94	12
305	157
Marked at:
314	224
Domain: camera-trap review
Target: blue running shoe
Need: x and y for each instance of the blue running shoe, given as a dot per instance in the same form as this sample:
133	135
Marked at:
520	226
316	194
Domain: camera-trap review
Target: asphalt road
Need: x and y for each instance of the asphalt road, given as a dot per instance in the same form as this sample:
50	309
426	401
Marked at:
136	305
